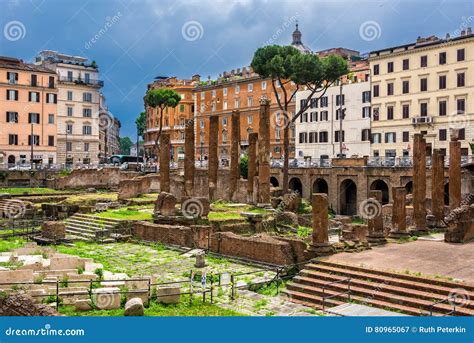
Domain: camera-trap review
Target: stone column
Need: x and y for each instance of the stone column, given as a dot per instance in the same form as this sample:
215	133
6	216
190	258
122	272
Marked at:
419	182
165	162
264	153
234	154
213	162
320	239
399	214
375	224
437	186
454	173
189	158
252	165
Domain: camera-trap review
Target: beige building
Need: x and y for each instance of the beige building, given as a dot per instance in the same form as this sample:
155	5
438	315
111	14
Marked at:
28	96
78	107
423	87
109	132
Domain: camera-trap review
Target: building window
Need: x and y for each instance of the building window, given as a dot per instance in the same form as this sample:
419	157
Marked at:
303	137
86	147
224	136
324	101
34	96
33	139
365	97
33	118
442	134
13	139
366	112
203	94
87	112
405	111
237	89
323	137
51	98
340	99
224	105
69	128
337	136
406	64
442	82
461	80
442	58
70	111
390	88
461	55
376	69
376	90
181	107
406	87
406	136
51	82
12	78
423	109
69	75
314	103
423	84
69	95
443	108
51	118
313	116
250	87
87	130
224	121
264	85
249	101
390	67
365	135
390	113
201	124
376	113
304	117
34	80
461	106
249	119
12	94
68	146
323	116
237	103
50	140
313	137
462	134
390	137
213	93
376	138
338	114
12	117
423	61
87	97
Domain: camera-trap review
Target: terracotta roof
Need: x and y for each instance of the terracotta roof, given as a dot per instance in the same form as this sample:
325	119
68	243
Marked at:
15	63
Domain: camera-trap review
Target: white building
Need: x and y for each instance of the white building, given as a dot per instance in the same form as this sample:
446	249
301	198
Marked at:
78	107
317	129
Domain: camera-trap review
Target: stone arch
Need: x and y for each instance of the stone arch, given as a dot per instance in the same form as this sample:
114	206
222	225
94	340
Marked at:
446	194
381	185
320	186
274	181
409	187
11	159
296	186
348	197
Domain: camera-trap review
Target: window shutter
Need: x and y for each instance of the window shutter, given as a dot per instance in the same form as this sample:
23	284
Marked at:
16	95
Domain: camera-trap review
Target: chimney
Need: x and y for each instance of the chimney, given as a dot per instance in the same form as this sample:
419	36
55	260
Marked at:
469	30
196	77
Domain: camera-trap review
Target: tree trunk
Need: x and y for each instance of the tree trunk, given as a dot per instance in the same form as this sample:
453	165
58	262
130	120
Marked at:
286	152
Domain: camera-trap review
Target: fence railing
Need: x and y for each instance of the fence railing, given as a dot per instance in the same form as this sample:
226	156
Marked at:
451	300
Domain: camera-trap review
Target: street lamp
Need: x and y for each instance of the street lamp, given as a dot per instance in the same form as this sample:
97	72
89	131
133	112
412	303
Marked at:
200	157
32	148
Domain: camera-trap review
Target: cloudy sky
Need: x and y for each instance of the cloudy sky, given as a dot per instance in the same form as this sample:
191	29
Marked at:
134	41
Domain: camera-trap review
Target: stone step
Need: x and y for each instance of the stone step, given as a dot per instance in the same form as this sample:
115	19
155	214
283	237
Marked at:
310	300
96	218
413	278
372	294
76	232
84	230
394	279
311	277
74	237
91	226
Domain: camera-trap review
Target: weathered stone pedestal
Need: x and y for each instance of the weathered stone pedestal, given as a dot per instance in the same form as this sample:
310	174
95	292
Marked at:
437	192
320	245
264	154
375	234
399	221
419	184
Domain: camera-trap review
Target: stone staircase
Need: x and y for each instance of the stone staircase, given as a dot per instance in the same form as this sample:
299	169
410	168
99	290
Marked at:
401	293
91	228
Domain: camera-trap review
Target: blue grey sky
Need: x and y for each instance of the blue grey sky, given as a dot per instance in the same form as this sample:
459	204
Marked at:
135	40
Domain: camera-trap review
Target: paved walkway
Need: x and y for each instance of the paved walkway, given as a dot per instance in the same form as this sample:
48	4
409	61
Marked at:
430	258
356	310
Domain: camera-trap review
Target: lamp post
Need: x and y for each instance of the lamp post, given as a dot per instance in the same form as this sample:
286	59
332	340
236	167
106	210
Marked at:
32	142
200	157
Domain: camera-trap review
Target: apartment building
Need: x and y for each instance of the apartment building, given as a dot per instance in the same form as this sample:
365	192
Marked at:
109	132
78	106
174	119
423	87
322	132
28	102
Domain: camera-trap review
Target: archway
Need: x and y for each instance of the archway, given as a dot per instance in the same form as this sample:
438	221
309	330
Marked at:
348	197
409	187
446	194
320	186
296	186
381	185
11	159
274	181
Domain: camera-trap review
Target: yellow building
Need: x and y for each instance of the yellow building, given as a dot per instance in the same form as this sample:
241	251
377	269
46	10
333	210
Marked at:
423	87
28	106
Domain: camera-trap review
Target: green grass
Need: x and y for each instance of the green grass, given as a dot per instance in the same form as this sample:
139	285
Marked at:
90	198
221	216
29	190
126	214
183	309
304	231
11	243
260	304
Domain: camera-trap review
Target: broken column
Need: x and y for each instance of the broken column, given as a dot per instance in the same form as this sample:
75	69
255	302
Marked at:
320	239
454	173
437	187
234	154
419	183
189	158
213	162
375	223
252	165
165	162
399	220
264	153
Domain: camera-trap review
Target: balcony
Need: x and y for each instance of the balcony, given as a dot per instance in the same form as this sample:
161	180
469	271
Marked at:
80	81
422	120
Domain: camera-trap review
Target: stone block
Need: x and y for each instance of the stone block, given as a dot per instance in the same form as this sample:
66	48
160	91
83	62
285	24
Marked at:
83	305
53	230
107	298
165	204
168	294
134	307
